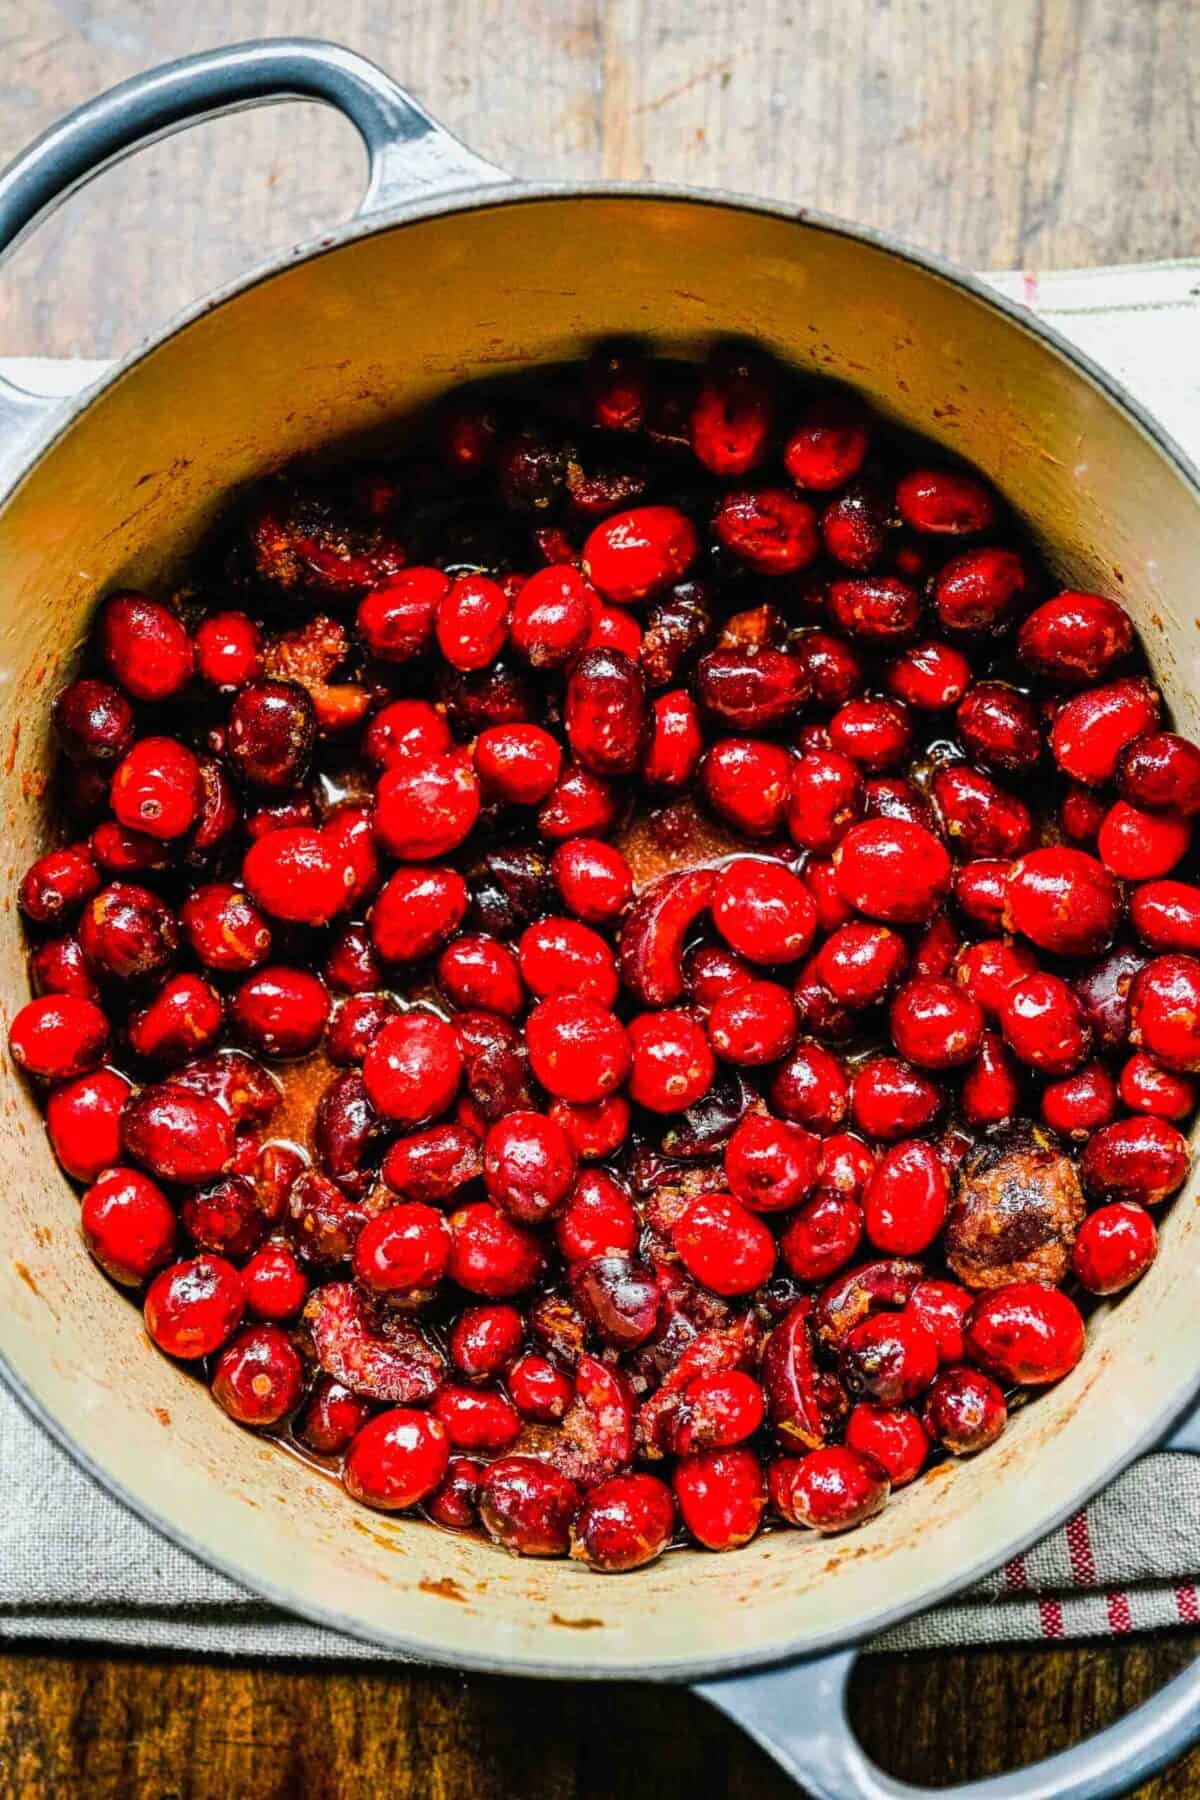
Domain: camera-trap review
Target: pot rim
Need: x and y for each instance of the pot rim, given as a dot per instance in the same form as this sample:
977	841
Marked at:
61	415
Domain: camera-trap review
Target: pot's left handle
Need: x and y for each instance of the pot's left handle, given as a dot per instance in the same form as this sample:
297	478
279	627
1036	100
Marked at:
409	154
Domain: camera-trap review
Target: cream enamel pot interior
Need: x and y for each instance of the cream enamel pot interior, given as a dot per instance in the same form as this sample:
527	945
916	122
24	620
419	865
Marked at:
447	273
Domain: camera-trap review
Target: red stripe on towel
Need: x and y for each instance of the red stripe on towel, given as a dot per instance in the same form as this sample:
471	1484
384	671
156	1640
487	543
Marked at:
1079	1549
1014	1575
1052	1619
1119	1616
1188	1604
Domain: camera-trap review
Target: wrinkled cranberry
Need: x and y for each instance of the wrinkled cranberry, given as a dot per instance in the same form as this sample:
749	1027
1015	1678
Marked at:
964	1411
93	722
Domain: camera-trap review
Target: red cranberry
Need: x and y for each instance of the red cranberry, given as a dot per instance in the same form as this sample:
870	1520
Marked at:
476	1419
156	789
734	412
1166	915
723	1245
396	1459
672	1065
905	1199
433	1165
93	722
988	969
292	874
1025	1333
721	1495
596	1130
552	616
811	1088
948	502
491	1255
1145	1087
846	1162
396	621
1161	772
936	1024
55	886
1044	1024
1081	1103
618	1296
991	1089
829	445
527	1506
332	1417
978	591
58	966
83	1122
831	1489
854	527
1090	731
999	727
258	1377
477	971
593	878
271	734
635	554
747	783
58	1036
942	1307
771	1164
183	1019
1164	1012
128	1226
484	1340
890	1358
426	805
1138	845
821	1236
520	763
718	1410
577	1049
762	911
563	956
598	1219
1144	1159
768	529
893	1100
1081	813
833	666
891	1436
860	963
280	1011
751	689
224	1216
879	609
412	1069
144	645
453	1503
402	1251
127	933
539	1390
195	1306
580	804
415	911
980	816
981	890
929	676
228	650
357	1022
965	1411
710	971
1103	992
893	871
676	741
276	1285
177	1135
404	728
624	1523
529	1166
472	622
224	930
1076	637
755	1024
1115	1246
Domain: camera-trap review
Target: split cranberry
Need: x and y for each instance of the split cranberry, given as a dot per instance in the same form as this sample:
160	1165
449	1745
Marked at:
276	1285
83	1122
768	529
1076	637
905	1199
1164	1012
965	1411
723	1245
624	1523
128	1226
831	1489
58	1036
528	1507
412	1069
454	1502
433	1165
936	1024
1115	1246
771	1164
1025	1333
528	1166
144	645
194	1307
672	1065
891	1436
890	1357
1144	1158
721	1495
893	871
258	1378
396	1459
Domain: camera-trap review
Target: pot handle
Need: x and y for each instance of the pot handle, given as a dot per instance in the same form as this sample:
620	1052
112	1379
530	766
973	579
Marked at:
410	155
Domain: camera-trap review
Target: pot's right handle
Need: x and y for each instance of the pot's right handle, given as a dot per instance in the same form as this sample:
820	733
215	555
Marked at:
409	154
798	1714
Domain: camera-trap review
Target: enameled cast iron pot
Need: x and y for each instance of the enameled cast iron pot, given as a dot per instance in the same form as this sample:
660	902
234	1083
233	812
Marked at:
448	272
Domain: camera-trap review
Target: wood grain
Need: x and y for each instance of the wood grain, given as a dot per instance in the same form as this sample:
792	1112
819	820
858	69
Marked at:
1034	132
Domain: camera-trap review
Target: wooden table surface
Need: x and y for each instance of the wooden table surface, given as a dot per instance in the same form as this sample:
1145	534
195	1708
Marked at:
1040	133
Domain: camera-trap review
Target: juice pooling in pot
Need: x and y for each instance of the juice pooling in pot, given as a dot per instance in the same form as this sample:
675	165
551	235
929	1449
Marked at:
629	970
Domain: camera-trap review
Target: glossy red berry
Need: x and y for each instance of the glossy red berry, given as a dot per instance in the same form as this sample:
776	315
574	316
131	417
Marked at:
1115	1246
1143	1158
624	1523
415	911
258	1378
891	1436
771	1164
1075	637
491	1255
721	1495
829	445
1025	1333
578	1049
528	1507
965	1411
564	956
905	1199
484	1340
128	1225
276	1285
935	1023
946	502
767	528
831	1489
552	616
930	676
472	622
723	1245
195	1306
1160	772
397	619
672	1064
412	1068
892	871
58	1036
93	722
520	763
821	1236
426	805
1090	731
1139	845
280	1011
635	554
396	1460
402	1251
892	1100
292	874
1164	1012
144	645
890	1358
1144	1086
529	1166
